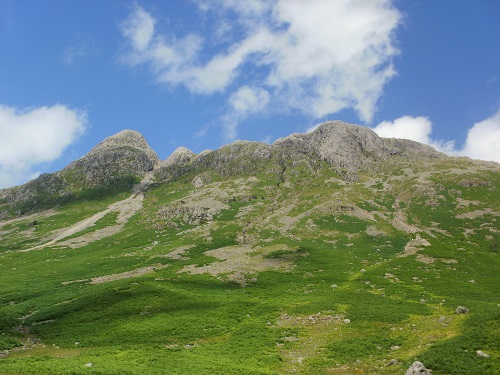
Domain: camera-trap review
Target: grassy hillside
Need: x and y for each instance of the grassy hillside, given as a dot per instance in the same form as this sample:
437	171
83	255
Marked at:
279	268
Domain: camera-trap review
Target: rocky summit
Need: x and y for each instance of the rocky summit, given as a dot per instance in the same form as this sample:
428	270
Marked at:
116	163
330	252
124	154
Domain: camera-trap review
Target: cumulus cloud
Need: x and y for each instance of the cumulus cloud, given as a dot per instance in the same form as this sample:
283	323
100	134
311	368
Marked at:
336	54
483	138
316	56
34	136
139	28
244	102
415	128
247	100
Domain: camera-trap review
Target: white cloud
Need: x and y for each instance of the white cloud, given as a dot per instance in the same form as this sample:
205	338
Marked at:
483	138
415	128
34	136
317	56
337	54
249	99
139	28
244	102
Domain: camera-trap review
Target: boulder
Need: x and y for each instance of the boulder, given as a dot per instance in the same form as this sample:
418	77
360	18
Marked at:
461	310
482	354
418	368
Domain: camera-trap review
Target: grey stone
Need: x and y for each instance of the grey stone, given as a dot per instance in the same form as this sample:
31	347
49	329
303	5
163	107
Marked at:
180	156
461	310
482	354
418	368
392	362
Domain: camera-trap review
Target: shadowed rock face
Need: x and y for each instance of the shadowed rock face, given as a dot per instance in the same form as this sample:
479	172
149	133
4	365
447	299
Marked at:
35	191
124	154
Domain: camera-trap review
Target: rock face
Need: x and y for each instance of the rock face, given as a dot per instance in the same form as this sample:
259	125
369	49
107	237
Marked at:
180	156
234	158
201	180
33	193
124	154
338	142
349	148
418	368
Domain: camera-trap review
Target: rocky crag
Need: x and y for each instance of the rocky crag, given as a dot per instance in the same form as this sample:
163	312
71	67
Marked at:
123	159
116	163
347	148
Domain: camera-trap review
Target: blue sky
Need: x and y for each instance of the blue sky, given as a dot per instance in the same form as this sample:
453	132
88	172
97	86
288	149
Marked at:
204	73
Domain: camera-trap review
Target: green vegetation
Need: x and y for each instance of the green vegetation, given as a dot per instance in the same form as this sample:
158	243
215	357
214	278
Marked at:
333	277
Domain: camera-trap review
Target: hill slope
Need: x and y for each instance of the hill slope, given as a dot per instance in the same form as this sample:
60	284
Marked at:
334	251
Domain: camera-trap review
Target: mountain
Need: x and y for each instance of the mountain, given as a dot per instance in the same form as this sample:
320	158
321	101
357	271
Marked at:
124	154
334	251
113	165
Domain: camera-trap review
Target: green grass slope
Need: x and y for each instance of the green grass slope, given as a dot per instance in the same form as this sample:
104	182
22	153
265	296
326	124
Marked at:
283	269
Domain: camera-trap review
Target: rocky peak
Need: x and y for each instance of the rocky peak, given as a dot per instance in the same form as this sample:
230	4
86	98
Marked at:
336	140
116	163
346	147
349	148
125	154
126	157
125	138
181	155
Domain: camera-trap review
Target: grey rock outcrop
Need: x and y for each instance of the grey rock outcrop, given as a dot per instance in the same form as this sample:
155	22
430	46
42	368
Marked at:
345	147
418	368
234	158
350	148
193	215
410	149
201	180
124	154
337	141
34	192
125	138
181	155
237	157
